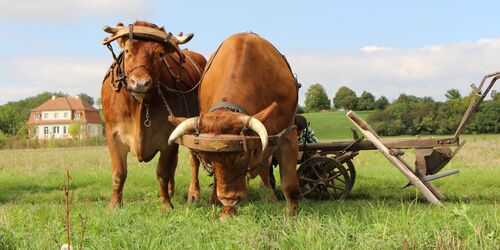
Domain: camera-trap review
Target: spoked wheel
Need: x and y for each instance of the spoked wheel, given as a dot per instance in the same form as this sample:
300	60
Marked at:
351	171
323	178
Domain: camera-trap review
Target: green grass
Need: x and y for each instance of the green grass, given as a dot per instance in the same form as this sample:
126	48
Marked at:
378	215
332	125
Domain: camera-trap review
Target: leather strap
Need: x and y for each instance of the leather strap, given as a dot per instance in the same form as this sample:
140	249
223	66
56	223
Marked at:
229	105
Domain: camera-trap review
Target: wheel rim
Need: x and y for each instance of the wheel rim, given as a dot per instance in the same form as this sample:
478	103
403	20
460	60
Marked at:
323	178
351	171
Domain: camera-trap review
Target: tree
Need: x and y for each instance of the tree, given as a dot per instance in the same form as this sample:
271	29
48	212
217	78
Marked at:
366	101
98	102
453	94
87	98
316	99
74	130
495	96
345	98
300	109
381	103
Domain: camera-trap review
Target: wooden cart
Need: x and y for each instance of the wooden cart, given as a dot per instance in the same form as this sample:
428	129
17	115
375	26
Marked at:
327	170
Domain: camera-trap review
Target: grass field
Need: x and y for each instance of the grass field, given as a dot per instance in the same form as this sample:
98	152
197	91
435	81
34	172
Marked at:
378	215
332	125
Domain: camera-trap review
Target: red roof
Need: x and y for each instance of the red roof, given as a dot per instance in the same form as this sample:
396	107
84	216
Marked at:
65	103
87	112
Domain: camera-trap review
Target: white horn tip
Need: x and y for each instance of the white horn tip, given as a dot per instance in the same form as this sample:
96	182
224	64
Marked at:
184	39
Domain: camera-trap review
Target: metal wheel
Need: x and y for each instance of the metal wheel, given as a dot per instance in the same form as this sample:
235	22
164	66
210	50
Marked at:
351	171
322	177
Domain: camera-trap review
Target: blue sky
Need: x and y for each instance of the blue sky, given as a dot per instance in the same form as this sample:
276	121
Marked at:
385	47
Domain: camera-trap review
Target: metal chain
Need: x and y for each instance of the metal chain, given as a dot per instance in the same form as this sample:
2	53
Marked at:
147	122
165	103
206	166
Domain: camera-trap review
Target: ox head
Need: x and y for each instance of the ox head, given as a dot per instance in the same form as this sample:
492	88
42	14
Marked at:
144	53
229	168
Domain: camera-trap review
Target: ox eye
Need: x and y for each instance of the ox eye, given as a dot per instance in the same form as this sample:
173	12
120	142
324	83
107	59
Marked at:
161	54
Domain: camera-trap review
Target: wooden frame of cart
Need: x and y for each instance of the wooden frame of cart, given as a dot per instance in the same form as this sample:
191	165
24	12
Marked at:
327	170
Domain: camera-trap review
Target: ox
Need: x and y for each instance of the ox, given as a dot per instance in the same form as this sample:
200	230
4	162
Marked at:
138	93
247	84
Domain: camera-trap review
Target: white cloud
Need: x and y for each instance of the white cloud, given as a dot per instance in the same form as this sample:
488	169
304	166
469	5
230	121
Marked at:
426	71
64	10
27	77
372	48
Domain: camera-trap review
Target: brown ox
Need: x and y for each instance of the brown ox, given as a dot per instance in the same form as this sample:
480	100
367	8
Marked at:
250	74
136	115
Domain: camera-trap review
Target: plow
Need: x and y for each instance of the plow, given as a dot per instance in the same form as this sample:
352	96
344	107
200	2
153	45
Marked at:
327	171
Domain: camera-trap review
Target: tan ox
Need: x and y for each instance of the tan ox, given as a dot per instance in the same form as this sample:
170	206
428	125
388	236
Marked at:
247	75
134	109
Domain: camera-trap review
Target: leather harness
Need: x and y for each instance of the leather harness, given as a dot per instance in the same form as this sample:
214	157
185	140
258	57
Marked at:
117	69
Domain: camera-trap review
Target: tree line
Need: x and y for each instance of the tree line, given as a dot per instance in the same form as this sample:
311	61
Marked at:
408	114
411	115
344	99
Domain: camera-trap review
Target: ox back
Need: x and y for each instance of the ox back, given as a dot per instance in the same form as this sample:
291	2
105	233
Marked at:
249	72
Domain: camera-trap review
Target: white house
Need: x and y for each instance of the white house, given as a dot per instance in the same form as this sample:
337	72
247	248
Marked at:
53	118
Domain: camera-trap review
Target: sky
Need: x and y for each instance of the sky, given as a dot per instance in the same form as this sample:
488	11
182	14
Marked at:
420	48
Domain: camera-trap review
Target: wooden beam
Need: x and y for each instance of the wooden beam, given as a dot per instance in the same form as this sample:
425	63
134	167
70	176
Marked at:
403	143
375	139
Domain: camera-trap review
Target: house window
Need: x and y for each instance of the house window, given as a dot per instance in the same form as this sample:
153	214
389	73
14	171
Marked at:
36	130
56	115
64	128
77	115
55	130
45	115
45	130
65	115
37	116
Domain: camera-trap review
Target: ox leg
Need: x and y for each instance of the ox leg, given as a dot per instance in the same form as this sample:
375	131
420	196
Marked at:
118	152
266	182
194	186
287	159
165	173
213	198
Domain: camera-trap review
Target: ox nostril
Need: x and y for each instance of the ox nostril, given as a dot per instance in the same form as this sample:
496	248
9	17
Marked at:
229	201
132	83
139	84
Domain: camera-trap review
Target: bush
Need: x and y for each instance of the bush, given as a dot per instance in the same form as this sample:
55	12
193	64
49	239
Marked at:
14	142
3	139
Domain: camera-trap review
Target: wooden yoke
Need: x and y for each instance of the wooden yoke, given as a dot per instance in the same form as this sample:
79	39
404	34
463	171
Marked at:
372	136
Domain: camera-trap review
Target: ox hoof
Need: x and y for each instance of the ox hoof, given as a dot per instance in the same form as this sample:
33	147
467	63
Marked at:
292	209
113	205
270	197
192	198
227	212
166	206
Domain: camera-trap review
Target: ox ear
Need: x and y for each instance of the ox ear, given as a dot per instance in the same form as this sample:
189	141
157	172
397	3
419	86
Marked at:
264	114
176	120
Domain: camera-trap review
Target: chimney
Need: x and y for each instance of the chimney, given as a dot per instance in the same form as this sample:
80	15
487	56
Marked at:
53	97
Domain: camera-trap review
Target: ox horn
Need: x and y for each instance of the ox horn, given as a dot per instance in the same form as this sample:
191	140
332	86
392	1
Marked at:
111	30
182	39
181	129
258	127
